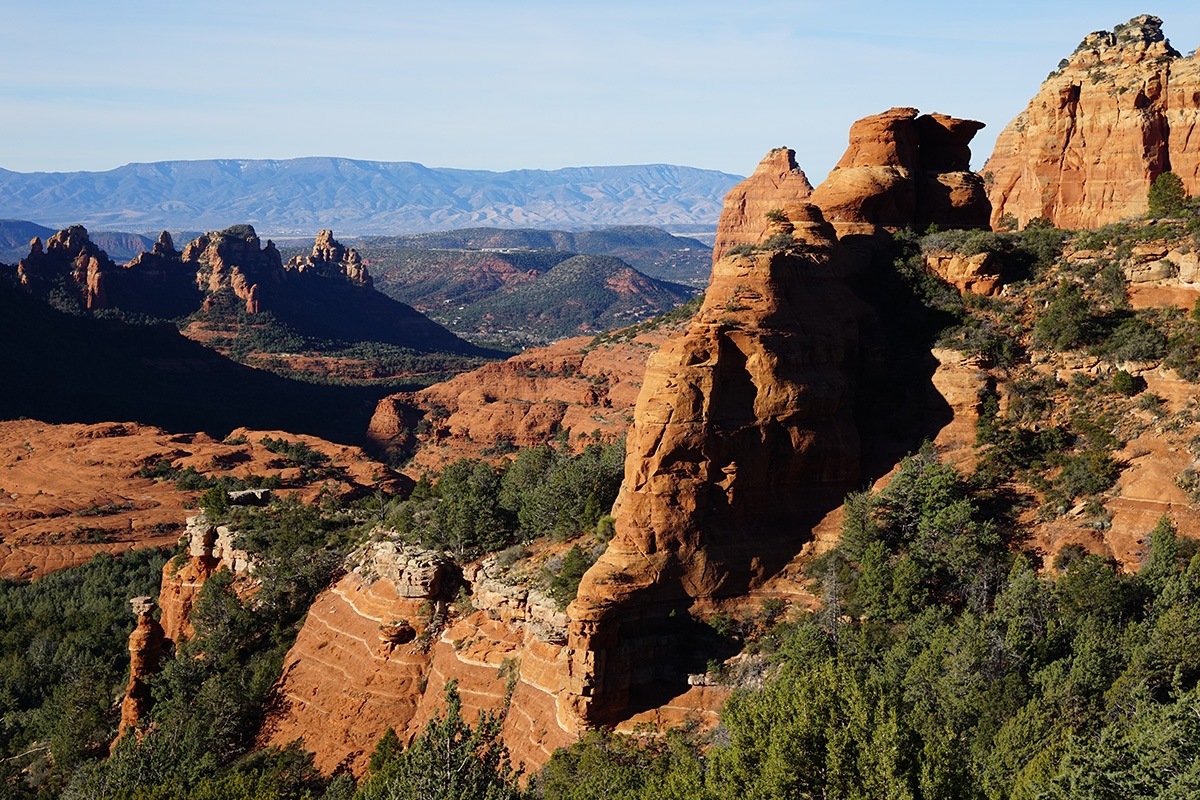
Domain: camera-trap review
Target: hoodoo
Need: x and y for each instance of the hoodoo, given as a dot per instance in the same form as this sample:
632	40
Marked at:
746	431
776	183
145	650
1120	111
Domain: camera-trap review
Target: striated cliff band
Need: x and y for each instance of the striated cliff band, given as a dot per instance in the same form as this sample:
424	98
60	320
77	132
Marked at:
1117	113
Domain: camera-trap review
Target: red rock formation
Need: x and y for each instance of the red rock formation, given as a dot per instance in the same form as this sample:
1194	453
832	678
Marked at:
330	257
349	677
978	274
777	183
145	650
58	477
209	549
1123	109
233	259
354	672
744	435
69	252
904	170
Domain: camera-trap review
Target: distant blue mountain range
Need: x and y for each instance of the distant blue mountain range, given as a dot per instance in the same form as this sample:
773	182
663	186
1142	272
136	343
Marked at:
300	196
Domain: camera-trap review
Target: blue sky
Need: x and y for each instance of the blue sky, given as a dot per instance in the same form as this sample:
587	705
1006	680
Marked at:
519	84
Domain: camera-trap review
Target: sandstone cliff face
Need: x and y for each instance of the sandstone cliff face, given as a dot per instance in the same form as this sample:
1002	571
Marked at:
145	650
776	184
378	647
1124	109
901	169
744	435
235	259
70	253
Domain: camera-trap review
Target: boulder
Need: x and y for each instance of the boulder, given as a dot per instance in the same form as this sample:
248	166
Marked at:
978	274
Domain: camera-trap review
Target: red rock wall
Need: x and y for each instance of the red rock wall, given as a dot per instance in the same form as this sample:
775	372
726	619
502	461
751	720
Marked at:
476	652
342	686
744	436
1085	151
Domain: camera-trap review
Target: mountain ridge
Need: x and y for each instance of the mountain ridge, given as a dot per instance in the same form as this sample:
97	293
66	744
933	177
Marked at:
283	196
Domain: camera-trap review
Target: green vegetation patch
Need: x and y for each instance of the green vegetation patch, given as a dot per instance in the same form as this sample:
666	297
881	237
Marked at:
472	507
942	665
64	656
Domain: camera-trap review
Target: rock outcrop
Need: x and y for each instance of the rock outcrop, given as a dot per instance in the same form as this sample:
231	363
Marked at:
777	183
378	647
977	274
145	650
158	283
68	254
901	169
744	436
235	259
210	548
330	258
1116	114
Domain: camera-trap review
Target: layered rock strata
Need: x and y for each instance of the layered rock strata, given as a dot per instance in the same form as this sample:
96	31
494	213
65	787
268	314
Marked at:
744	436
378	647
1120	111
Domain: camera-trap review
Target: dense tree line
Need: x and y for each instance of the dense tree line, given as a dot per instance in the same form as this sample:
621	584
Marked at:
63	658
942	665
473	507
